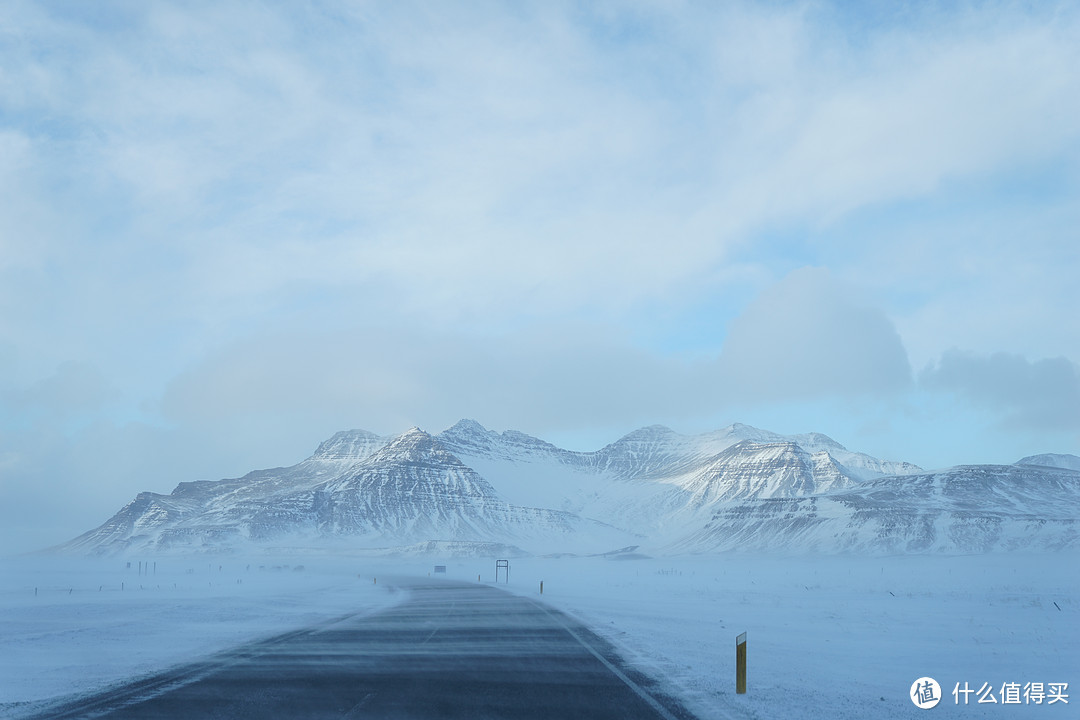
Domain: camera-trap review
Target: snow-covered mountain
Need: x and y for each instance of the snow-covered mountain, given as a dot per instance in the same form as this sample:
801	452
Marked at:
738	487
655	480
751	470
653	452
372	491
1055	460
970	508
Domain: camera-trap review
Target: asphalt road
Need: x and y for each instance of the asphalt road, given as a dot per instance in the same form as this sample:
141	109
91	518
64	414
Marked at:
451	650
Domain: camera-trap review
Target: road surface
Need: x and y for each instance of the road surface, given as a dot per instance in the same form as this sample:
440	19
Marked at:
451	650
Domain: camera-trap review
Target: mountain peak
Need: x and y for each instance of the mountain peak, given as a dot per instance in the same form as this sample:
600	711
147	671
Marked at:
1055	460
349	445
413	437
415	446
817	439
466	426
648	433
749	432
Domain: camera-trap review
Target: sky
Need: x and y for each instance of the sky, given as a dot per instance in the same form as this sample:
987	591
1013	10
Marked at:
231	229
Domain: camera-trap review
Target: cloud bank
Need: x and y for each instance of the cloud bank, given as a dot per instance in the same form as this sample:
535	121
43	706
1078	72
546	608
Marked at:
1040	395
229	230
808	336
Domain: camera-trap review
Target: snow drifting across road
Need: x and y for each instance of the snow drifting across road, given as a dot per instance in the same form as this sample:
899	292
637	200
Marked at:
70	627
829	636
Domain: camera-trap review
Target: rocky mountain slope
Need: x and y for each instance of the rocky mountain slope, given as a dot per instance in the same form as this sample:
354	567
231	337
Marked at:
408	489
735	488
971	508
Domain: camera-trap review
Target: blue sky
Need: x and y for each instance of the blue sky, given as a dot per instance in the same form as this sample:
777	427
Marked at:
229	229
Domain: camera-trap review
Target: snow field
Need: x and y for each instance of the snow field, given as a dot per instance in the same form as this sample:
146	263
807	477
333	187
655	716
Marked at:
828	636
831	637
94	623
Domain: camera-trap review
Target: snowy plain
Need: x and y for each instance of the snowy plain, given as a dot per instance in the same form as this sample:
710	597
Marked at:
72	626
828	636
831	636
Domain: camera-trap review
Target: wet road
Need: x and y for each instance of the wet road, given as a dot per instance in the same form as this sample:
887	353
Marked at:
451	650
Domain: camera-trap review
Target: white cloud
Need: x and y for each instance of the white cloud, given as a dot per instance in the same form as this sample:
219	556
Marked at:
1024	394
74	389
921	111
460	156
809	336
535	379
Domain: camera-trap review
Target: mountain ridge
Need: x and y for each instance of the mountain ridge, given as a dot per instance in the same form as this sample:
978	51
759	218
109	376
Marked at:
1058	460
472	487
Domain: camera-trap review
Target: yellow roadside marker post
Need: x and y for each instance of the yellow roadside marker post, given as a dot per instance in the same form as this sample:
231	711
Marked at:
740	664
